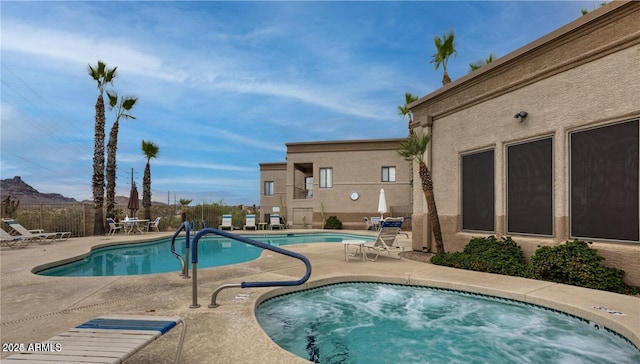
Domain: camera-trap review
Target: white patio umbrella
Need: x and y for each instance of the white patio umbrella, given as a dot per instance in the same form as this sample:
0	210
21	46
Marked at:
382	204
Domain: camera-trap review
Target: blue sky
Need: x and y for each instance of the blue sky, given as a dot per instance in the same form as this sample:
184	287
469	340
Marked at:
222	86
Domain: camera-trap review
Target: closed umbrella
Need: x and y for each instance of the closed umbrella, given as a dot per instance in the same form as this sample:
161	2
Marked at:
134	203
382	204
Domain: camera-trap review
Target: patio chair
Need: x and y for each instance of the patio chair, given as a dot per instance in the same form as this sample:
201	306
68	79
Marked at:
386	239
36	235
153	225
375	222
12	241
114	226
250	223
368	225
106	339
274	221
226	222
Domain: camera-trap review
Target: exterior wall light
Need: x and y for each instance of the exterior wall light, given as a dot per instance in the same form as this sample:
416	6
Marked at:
521	115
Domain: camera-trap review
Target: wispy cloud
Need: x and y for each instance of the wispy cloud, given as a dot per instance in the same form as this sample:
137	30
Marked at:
223	86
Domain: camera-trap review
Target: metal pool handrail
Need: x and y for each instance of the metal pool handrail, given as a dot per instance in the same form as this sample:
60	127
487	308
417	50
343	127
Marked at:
183	261
194	261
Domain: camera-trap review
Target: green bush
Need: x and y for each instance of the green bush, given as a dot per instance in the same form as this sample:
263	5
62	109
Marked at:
487	255
333	223
571	263
577	264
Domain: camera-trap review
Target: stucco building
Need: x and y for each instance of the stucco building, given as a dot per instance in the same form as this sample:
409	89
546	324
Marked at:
542	144
336	178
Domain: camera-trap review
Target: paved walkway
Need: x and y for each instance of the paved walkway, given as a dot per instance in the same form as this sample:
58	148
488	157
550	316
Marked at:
34	308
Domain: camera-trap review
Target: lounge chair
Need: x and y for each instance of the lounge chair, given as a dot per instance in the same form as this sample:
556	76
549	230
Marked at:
368	225
274	221
386	240
12	241
226	222
375	221
114	226
106	339
37	235
250	223
154	225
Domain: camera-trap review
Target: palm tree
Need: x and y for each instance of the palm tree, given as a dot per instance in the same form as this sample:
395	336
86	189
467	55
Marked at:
404	111
150	150
122	107
103	76
413	149
474	66
445	48
184	202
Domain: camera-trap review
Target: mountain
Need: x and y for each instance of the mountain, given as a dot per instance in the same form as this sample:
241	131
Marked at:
19	190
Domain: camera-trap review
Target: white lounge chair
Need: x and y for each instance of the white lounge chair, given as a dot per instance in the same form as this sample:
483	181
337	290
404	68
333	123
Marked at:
274	222
375	222
250	222
153	225
114	226
12	241
386	240
226	222
36	235
106	339
368	225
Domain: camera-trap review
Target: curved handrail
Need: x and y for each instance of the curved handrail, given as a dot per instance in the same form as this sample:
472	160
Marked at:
194	261
183	261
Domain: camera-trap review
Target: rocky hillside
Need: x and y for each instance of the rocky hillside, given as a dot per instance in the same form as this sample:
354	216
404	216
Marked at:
19	190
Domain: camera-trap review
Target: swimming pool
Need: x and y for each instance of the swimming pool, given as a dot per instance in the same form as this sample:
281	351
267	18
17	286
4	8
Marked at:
155	257
384	323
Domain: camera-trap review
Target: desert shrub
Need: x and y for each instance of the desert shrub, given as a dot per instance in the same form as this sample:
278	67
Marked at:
487	255
575	263
333	223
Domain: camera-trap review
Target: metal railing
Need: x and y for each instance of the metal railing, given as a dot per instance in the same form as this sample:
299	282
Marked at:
194	269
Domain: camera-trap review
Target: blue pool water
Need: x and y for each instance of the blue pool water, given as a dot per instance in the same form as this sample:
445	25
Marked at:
383	323
156	257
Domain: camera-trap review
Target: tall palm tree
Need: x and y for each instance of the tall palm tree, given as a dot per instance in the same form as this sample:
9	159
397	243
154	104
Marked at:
445	48
150	150
404	111
413	149
103	76
483	62
122	107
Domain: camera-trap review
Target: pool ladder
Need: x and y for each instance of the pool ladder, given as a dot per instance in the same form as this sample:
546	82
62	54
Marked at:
194	263
183	261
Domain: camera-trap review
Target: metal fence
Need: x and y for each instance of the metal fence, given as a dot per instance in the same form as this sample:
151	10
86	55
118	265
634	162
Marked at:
79	218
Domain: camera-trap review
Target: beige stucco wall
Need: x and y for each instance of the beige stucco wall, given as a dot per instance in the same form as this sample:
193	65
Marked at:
599	90
275	172
356	167
354	170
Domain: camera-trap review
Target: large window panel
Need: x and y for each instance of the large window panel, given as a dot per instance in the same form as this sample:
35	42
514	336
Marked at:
604	182
530	187
478	191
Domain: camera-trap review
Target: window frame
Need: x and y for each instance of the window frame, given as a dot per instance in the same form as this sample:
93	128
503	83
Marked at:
266	190
325	179
388	169
570	181
462	200
551	183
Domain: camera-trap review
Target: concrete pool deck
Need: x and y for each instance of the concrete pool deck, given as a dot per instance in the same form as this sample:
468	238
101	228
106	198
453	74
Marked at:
34	308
